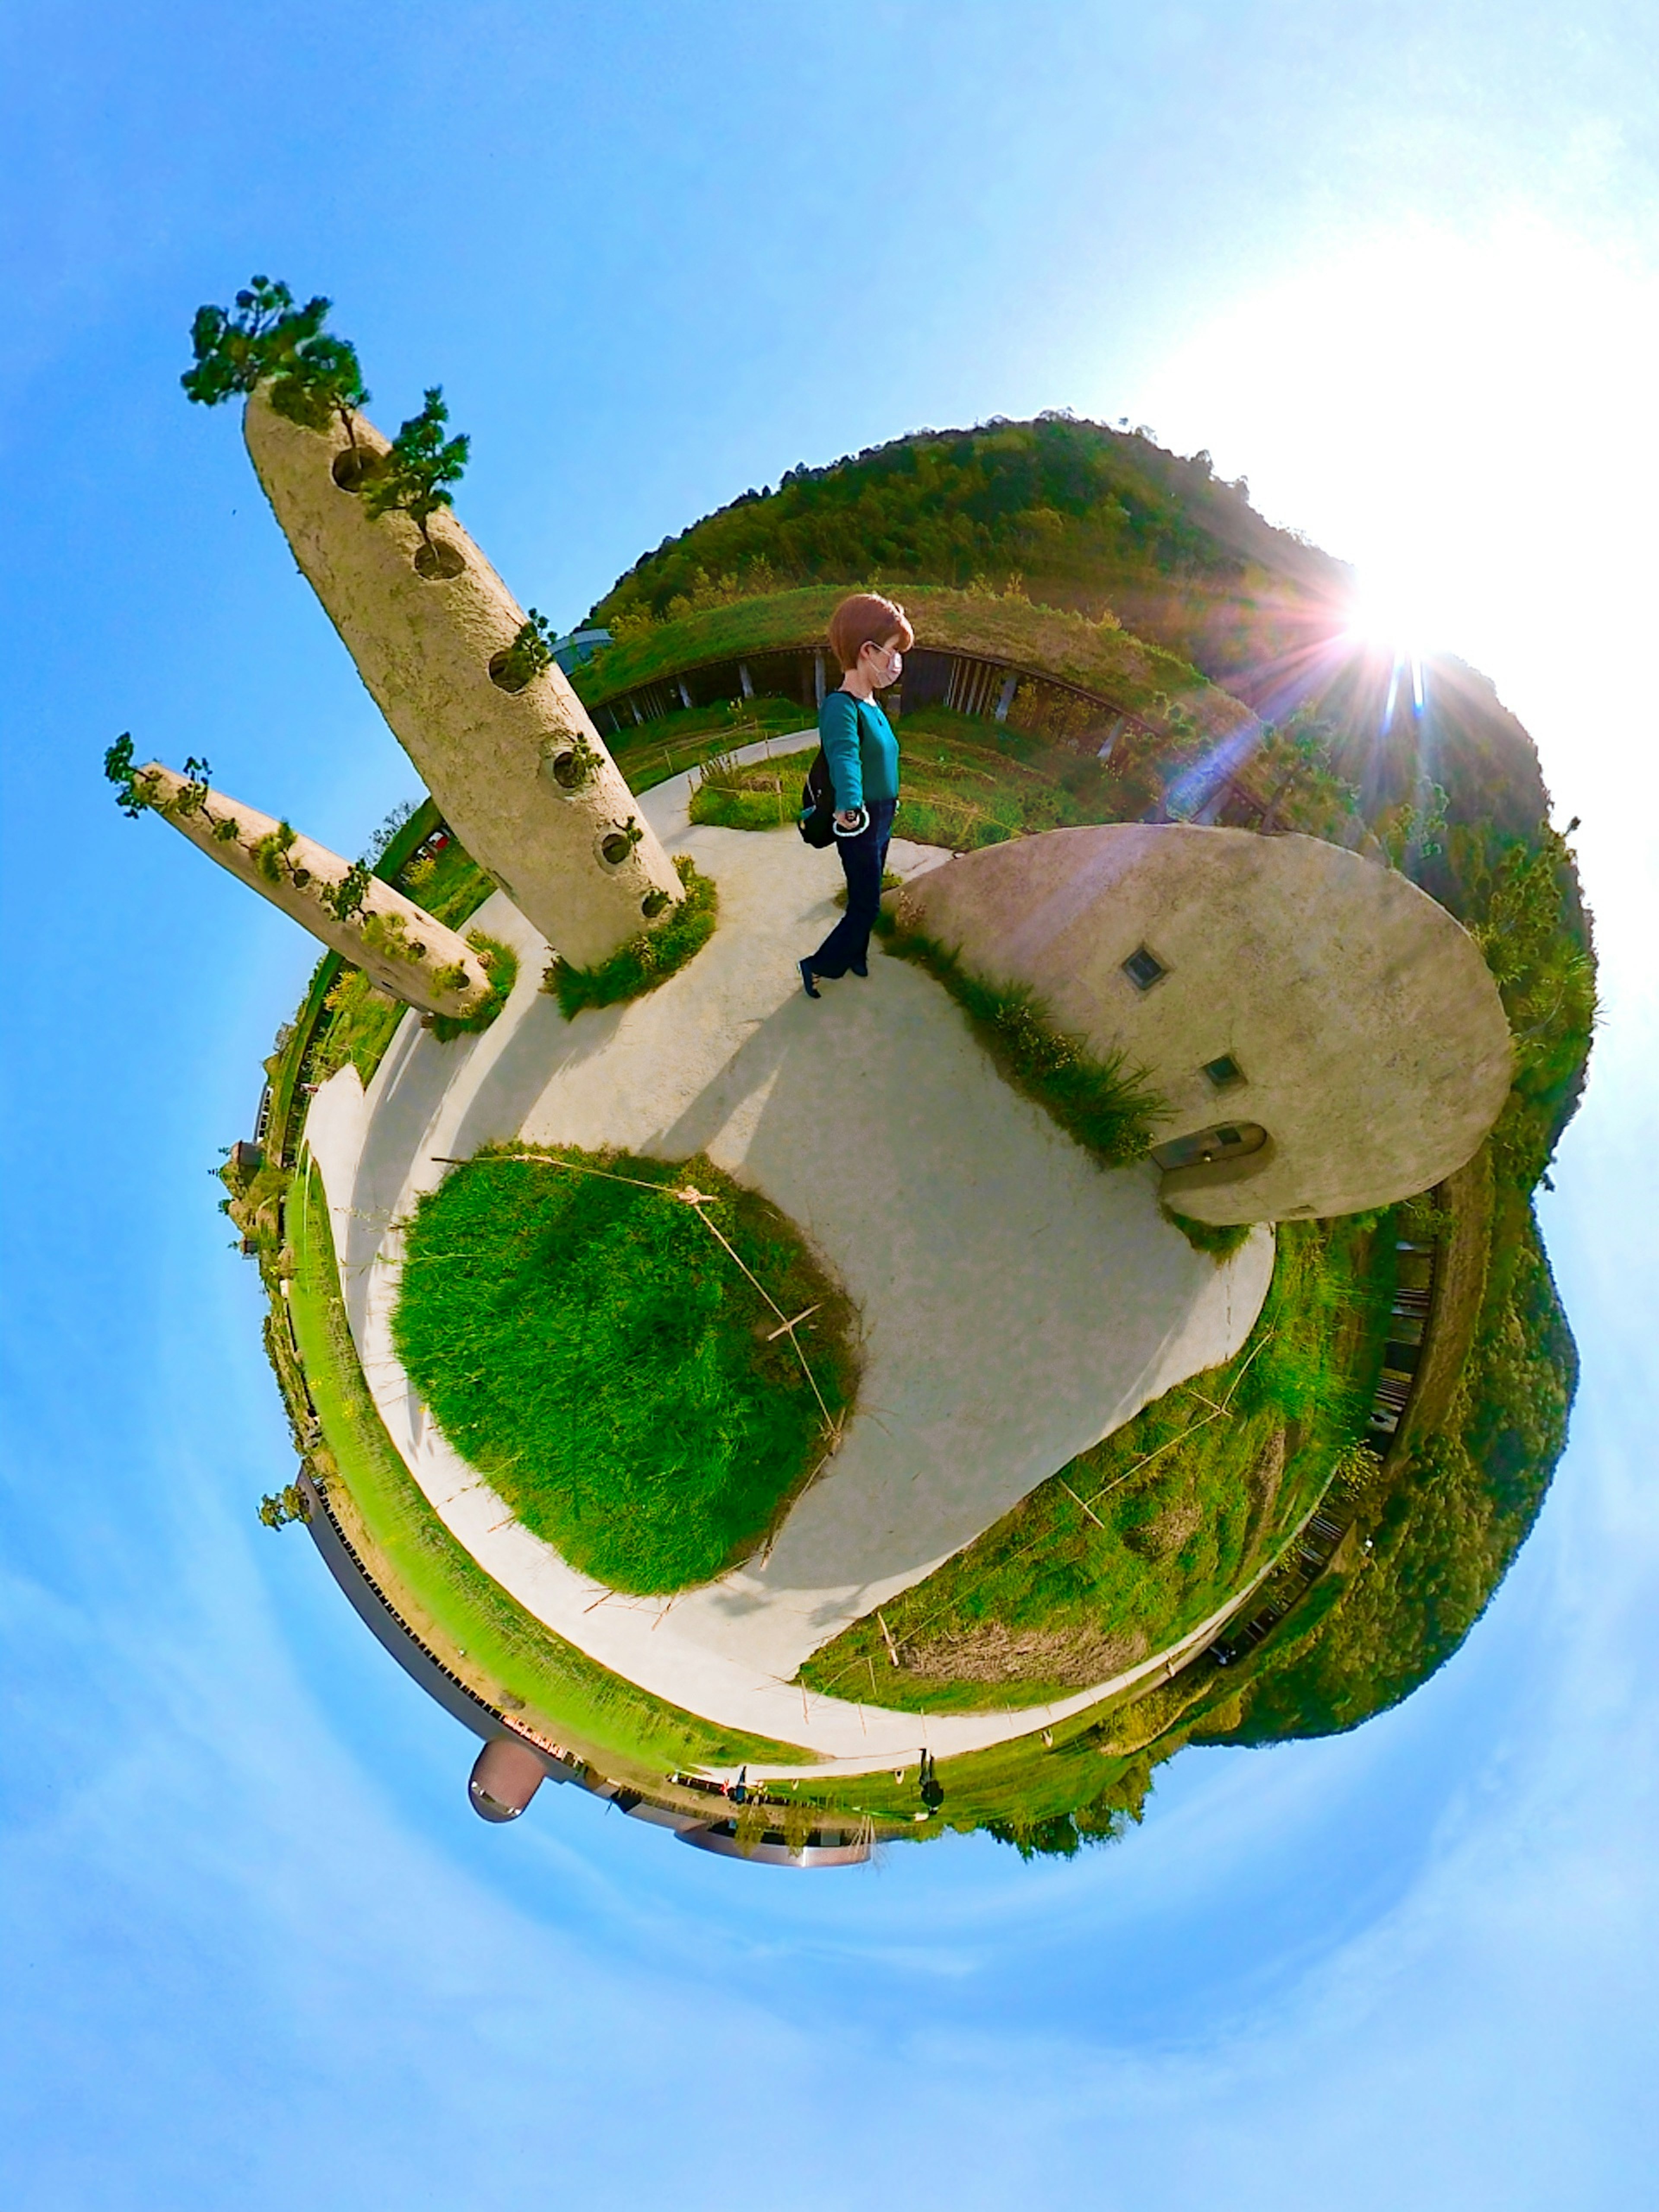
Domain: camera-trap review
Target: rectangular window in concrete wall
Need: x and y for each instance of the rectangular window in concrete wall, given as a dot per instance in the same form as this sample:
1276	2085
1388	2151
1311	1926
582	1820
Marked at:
1144	968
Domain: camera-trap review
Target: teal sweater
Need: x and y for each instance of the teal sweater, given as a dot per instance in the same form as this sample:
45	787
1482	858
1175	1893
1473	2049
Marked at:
861	750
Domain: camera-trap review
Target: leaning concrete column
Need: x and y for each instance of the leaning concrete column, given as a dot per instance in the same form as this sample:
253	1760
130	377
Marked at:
398	944
523	778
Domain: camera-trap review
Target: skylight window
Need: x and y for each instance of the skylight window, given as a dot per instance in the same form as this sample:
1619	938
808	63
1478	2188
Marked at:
1144	968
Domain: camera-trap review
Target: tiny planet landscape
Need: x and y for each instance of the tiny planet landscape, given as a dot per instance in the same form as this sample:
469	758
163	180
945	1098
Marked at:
1116	1322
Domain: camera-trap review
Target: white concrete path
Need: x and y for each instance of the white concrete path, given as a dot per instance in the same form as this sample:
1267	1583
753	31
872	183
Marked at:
1018	1303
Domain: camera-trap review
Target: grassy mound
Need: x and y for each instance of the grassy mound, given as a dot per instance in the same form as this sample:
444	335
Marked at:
589	1346
657	952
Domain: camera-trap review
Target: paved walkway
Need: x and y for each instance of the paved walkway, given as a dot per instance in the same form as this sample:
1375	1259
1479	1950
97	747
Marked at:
1017	1303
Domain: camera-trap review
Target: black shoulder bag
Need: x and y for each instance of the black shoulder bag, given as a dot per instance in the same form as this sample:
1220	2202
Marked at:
816	818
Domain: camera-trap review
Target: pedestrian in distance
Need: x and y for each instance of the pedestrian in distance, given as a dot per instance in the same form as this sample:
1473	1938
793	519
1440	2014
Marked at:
869	637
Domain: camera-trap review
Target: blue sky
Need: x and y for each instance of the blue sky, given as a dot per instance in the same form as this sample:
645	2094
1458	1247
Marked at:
1397	264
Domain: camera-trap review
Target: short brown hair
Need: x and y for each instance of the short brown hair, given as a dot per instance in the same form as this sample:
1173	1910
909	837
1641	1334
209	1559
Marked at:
867	619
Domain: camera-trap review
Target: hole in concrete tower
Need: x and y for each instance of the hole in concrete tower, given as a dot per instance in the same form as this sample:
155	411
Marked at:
353	467
1144	968
615	848
437	562
653	903
566	770
1224	1072
500	674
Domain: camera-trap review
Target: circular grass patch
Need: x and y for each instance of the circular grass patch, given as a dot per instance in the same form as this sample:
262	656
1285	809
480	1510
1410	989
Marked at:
591	1347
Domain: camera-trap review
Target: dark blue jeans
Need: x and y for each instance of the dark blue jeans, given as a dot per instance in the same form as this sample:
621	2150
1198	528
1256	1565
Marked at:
862	859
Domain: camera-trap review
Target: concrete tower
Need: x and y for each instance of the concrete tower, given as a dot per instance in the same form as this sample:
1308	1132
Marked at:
398	944
522	777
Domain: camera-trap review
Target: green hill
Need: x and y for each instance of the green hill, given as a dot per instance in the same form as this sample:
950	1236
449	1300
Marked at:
1098	521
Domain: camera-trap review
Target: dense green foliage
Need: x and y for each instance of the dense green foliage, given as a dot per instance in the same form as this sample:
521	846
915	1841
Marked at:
596	1351
279	1507
1220	1239
120	766
313	373
1444	1534
413	477
660	951
320	379
1073	503
530	655
1519	897
1137	1540
262	335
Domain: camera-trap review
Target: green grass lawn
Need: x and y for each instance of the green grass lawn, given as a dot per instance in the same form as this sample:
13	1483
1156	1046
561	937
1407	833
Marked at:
468	1619
761	795
594	1350
671	743
1137	1540
450	884
961	789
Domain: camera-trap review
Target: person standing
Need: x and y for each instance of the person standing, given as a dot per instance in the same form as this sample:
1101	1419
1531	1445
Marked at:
869	637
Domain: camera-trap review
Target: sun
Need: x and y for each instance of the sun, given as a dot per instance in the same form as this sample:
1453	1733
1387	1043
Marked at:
1391	613
1390	620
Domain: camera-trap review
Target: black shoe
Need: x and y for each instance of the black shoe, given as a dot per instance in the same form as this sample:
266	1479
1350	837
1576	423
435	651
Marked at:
859	967
806	982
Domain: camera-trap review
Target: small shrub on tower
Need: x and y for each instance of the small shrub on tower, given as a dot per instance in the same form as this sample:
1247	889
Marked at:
414	477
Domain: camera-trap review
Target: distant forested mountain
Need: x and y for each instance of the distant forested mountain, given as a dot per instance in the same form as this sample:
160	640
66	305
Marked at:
1091	518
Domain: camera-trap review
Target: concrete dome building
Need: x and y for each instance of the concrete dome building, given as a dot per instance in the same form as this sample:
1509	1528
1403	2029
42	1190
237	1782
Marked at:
1325	1036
